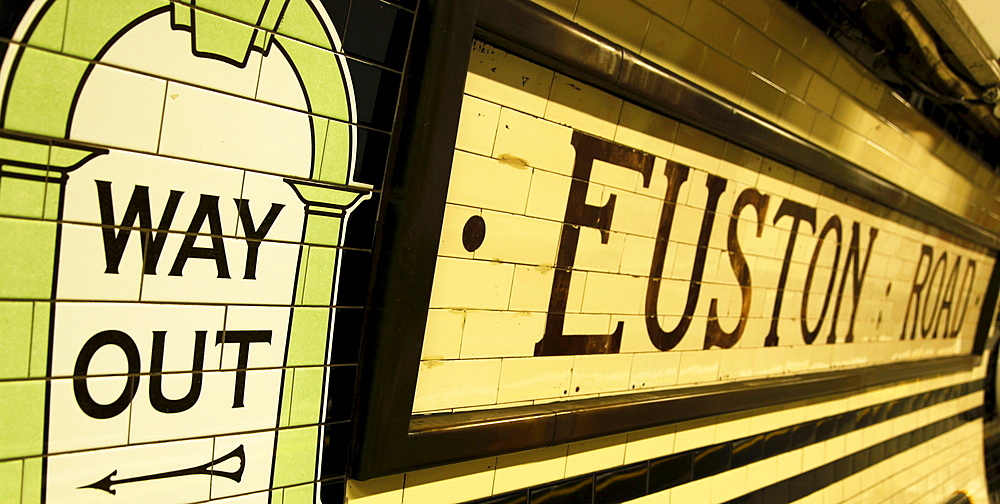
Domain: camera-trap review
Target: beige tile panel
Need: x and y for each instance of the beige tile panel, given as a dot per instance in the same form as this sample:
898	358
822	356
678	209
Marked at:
713	24
674	11
755	12
671	47
623	22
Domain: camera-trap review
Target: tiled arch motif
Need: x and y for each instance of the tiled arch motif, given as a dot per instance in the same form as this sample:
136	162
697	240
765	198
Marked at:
178	314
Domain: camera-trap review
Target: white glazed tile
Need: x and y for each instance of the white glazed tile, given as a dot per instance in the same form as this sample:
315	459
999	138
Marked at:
521	136
501	333
119	108
522	469
212	127
451	483
501	77
595	454
584	107
535	378
66	474
519	239
259	450
600	373
654	369
436	388
443	335
477	125
452	288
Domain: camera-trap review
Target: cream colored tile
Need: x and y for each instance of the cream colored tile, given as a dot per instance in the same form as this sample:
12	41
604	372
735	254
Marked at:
522	469
208	126
713	24
595	454
615	178
770	361
583	107
737	364
477	125
668	45
452	288
443	336
532	288
763	97
593	255
723	76
635	214
120	109
754	50
846	74
535	378
654	369
548	195
787	27
519	239
649	443
540	143
729	485
637	255
456	217
495	184
755	12
821	53
695	492
501	77
501	333
436	388
671	10
594	374
826	132
621	22
451	483
822	94
791	74
699	366
616	294
797	116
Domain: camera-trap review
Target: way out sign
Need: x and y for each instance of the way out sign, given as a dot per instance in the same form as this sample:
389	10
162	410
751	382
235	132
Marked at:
199	170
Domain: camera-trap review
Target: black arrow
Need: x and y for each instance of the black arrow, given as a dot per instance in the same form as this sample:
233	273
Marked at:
205	469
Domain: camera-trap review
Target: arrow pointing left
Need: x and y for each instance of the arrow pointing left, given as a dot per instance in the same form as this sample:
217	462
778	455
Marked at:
206	469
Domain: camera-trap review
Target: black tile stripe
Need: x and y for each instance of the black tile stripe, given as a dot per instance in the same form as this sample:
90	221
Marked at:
804	484
629	482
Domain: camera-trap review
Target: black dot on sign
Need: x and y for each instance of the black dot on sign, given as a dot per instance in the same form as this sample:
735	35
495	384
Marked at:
474	233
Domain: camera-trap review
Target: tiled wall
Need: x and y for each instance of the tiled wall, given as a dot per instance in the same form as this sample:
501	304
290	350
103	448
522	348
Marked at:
516	168
763	56
180	188
67	187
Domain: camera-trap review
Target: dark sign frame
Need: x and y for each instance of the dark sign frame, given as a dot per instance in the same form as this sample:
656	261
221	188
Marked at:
391	440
